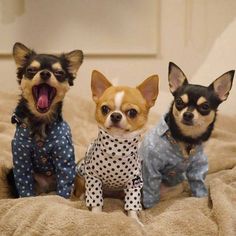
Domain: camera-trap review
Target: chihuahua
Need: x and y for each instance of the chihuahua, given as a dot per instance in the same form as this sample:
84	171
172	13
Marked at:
173	150
43	153
112	161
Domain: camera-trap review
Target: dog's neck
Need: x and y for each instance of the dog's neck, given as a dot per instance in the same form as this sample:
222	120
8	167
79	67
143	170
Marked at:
117	146
180	137
37	125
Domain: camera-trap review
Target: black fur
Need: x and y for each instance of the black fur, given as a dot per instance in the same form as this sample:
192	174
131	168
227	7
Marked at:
46	62
22	111
194	92
12	184
38	126
179	136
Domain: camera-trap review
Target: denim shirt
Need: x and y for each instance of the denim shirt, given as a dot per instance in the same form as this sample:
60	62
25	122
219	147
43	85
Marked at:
55	155
163	161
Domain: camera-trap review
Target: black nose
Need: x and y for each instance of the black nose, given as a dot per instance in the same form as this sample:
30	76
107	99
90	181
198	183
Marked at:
116	117
188	116
45	74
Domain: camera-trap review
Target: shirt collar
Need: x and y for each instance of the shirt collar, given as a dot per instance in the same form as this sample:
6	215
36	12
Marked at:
162	128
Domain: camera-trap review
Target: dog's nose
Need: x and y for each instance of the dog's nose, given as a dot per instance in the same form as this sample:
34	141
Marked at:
116	117
188	116
45	74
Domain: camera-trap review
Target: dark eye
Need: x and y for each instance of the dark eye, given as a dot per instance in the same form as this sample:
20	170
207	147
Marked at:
105	110
59	73
132	113
179	103
205	107
31	71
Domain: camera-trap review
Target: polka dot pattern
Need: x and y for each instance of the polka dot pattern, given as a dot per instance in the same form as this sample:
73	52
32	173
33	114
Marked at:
112	163
55	155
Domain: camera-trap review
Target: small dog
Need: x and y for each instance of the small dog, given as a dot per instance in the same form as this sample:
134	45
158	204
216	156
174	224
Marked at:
43	153
173	150
112	161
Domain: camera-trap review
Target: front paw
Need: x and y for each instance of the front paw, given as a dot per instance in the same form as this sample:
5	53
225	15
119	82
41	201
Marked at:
96	209
134	215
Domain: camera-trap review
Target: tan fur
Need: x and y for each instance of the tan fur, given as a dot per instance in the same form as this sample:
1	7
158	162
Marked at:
35	64
185	98
19	53
201	100
132	99
176	78
140	98
200	122
56	66
75	59
79	189
44	183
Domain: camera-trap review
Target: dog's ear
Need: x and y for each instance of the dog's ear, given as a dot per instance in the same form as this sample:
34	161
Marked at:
21	54
149	88
75	59
176	77
99	84
222	85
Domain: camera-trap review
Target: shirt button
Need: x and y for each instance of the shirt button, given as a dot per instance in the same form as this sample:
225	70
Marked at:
23	125
173	141
172	173
192	152
40	143
43	160
48	173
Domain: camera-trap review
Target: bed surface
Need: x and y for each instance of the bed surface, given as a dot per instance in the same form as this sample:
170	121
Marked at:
176	214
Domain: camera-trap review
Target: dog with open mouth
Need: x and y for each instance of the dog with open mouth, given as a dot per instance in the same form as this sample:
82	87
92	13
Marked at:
43	153
173	150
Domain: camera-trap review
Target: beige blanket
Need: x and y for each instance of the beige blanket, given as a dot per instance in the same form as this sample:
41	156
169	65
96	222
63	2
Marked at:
176	214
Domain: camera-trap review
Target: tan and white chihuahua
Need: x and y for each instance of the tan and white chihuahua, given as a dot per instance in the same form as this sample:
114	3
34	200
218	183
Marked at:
112	162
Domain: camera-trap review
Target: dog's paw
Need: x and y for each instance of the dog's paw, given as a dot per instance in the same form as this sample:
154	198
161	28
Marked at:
133	215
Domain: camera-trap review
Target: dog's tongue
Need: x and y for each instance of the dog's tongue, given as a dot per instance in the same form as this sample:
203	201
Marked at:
43	98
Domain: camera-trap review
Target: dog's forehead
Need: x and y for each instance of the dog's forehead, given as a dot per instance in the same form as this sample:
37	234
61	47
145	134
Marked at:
194	94
46	61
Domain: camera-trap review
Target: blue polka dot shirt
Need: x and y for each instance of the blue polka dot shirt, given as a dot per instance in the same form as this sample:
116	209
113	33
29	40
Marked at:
163	161
55	155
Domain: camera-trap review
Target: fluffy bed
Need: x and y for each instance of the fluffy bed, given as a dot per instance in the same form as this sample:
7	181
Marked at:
176	214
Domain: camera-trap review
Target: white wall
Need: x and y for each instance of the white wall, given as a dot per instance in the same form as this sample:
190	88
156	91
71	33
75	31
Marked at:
186	32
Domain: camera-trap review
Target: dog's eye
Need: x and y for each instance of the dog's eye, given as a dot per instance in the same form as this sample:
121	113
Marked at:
132	113
179	103
205	107
105	109
59	73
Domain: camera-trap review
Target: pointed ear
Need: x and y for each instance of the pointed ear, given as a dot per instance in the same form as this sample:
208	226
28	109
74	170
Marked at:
21	53
75	59
222	85
176	77
99	84
149	88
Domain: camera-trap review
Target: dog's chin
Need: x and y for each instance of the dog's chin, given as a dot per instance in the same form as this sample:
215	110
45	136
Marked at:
116	130
121	132
43	95
187	123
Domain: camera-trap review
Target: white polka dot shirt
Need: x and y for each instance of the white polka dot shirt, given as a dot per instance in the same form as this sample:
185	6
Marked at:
112	163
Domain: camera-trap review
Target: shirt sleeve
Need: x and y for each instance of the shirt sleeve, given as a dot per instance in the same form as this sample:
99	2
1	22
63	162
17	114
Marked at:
151	179
22	167
64	161
196	174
